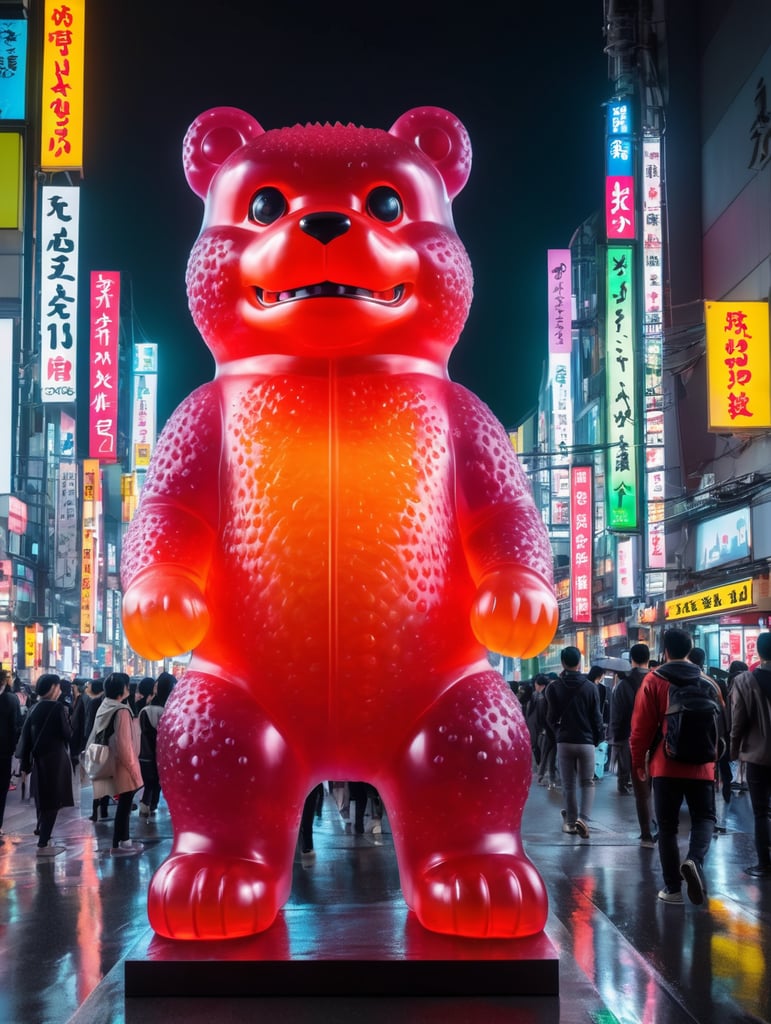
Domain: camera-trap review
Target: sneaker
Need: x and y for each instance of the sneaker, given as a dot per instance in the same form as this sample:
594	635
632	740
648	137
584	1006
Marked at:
127	848
570	829
667	896
759	871
648	842
144	811
693	881
51	850
582	828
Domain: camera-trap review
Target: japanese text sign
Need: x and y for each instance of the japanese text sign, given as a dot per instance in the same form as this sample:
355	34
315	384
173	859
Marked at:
621	383
581	539
13	69
103	391
559	300
62	86
59	236
710	602
738	371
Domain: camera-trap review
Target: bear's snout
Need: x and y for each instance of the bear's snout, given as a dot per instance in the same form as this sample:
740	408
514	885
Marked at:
325	226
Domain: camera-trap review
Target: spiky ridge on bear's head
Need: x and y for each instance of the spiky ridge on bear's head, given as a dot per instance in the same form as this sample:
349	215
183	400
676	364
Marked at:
328	241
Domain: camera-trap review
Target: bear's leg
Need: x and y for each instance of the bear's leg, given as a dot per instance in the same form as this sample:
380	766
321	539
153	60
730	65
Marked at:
455	800
235	793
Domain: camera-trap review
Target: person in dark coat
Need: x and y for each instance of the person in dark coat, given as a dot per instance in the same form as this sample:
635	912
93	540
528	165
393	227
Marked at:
751	742
574	714
78	720
621	724
10	730
535	715
44	751
149	718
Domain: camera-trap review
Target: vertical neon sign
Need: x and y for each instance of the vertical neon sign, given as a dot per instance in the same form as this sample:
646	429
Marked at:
581	539
621	383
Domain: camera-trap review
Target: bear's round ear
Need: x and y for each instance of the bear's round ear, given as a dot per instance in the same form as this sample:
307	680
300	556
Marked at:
210	140
441	137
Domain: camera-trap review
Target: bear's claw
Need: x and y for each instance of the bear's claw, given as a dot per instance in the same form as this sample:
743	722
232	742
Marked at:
497	896
201	896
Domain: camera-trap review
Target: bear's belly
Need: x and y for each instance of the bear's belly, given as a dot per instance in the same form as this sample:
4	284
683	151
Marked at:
342	589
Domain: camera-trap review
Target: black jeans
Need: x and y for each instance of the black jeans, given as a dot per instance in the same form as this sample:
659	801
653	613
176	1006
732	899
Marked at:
120	829
759	784
668	796
45	823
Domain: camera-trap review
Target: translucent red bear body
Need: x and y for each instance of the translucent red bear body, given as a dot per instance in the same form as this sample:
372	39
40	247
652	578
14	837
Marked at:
338	532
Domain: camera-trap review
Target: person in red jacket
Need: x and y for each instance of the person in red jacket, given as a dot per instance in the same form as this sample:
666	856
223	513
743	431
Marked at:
674	781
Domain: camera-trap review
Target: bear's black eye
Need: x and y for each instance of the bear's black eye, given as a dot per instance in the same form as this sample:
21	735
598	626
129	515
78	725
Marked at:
384	203
267	205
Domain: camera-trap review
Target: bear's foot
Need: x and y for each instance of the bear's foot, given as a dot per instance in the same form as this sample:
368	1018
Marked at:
204	896
482	896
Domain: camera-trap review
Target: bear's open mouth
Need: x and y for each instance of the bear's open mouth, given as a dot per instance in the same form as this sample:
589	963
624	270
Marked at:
330	289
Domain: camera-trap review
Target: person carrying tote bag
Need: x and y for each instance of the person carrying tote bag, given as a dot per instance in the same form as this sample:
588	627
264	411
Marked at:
127	777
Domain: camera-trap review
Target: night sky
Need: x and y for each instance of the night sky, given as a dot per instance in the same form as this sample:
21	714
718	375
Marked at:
528	86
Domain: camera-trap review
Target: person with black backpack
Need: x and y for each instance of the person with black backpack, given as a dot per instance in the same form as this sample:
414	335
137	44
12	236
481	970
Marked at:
751	742
678	734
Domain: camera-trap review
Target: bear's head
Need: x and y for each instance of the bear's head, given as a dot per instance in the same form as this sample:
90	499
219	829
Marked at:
328	241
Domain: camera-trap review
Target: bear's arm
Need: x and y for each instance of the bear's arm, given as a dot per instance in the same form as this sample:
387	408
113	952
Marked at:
505	541
175	523
500	522
170	543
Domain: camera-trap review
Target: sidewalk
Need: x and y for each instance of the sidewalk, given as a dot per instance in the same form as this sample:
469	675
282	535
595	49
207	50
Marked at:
67	924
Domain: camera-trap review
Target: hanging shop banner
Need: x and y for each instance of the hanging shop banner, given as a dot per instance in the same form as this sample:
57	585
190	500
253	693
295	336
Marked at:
66	562
560	300
581	541
561	407
738	366
625	568
87	582
62	86
13	69
619	172
653	333
717	601
59	234
144	404
621	383
619	207
103	397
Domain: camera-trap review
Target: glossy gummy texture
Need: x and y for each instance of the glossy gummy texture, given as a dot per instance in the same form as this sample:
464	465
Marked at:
339	533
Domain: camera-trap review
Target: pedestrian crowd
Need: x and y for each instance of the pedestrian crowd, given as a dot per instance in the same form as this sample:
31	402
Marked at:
45	734
667	732
671	736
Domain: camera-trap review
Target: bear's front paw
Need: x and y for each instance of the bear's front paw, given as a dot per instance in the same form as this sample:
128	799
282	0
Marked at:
202	896
515	612
482	896
164	613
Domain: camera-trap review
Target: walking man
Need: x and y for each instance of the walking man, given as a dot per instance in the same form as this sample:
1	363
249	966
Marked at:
573	712
675	780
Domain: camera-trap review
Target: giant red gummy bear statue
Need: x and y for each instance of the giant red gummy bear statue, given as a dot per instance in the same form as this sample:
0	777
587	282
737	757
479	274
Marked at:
338	532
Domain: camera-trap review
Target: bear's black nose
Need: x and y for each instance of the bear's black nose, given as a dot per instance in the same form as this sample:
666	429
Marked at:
325	226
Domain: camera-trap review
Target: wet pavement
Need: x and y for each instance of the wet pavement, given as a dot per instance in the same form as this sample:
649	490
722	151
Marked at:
68	926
